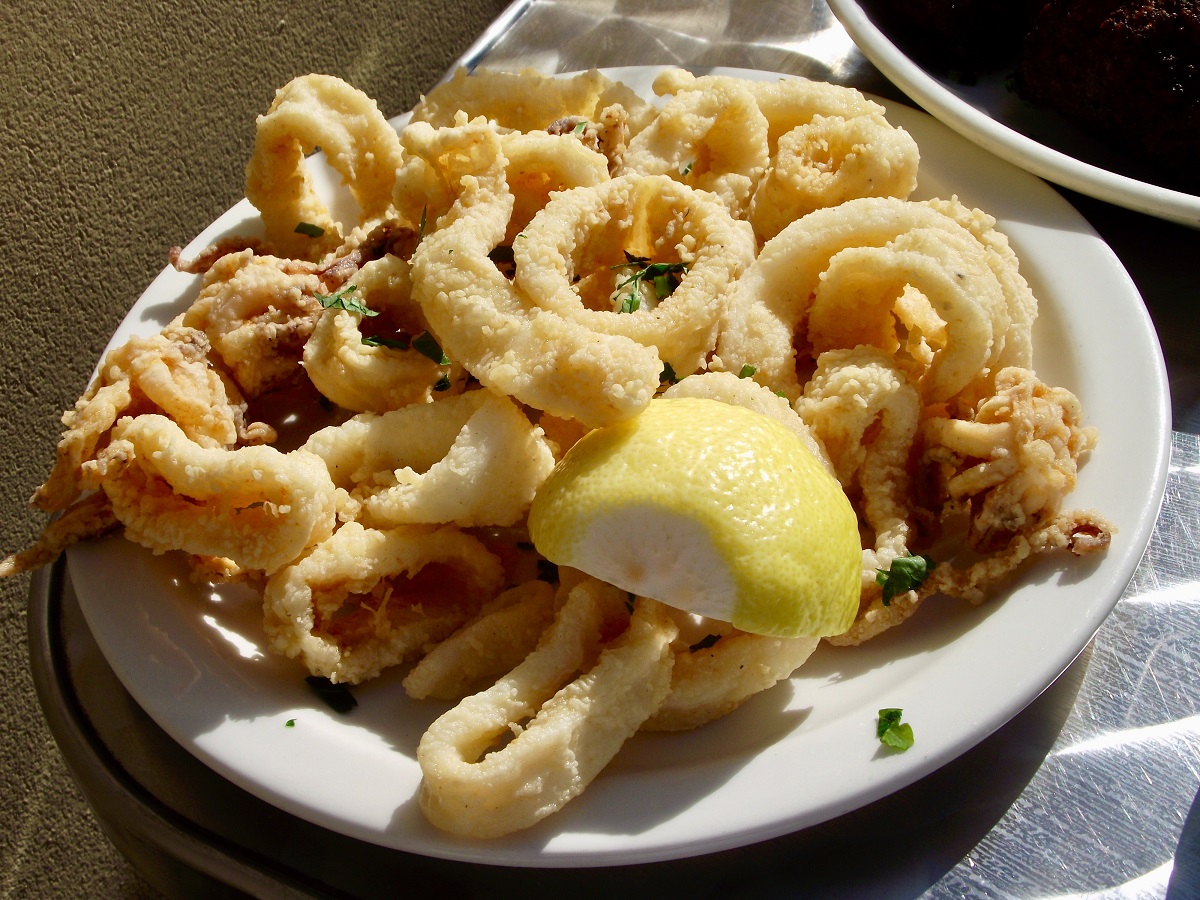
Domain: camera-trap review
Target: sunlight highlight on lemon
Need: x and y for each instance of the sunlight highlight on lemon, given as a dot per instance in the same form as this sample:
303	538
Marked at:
710	508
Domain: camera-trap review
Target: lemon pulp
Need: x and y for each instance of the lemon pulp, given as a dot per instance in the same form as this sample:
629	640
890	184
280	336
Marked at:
711	508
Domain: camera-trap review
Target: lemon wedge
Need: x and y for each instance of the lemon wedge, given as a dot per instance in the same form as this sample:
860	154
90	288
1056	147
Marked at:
710	508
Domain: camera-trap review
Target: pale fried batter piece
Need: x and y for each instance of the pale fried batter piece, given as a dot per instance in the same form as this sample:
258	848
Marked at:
1014	458
258	311
493	643
473	459
587	234
713	139
87	518
253	505
365	599
319	111
564	726
865	413
369	364
540	358
529	101
713	679
168	373
828	161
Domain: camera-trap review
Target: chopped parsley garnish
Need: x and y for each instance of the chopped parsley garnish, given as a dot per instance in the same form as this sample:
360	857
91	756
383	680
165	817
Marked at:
747	371
580	127
426	344
892	732
396	343
906	574
290	723
705	642
662	277
336	696
442	384
668	374
686	170
308	229
341	299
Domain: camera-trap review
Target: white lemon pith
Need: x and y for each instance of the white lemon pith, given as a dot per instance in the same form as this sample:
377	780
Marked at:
710	508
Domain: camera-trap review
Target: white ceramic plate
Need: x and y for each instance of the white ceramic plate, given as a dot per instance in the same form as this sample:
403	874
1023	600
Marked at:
1037	140
791	757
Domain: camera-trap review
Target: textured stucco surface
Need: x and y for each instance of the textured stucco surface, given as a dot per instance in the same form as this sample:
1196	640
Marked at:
126	127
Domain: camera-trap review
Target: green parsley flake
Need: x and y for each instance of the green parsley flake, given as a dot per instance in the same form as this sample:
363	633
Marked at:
668	374
442	384
662	277
686	170
427	345
374	340
891	731
580	127
906	574
747	371
290	723
308	229
342	300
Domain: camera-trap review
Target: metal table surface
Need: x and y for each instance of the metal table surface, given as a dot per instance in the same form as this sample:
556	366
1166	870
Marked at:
1091	791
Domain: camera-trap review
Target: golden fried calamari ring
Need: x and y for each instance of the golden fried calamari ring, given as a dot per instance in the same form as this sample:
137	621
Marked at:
747	393
768	314
253	505
472	459
865	412
586	229
257	311
319	111
786	102
855	303
562	736
492	644
540	163
375	377
1017	344
167	372
711	681
529	101
714	140
536	356
365	599
828	161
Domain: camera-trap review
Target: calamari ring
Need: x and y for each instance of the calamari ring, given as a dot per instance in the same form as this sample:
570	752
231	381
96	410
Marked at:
710	682
472	459
257	311
492	644
1016	348
366	377
536	356
854	303
767	316
529	101
828	161
365	599
254	505
713	139
583	228
564	735
540	163
167	372
319	111
865	411
747	393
